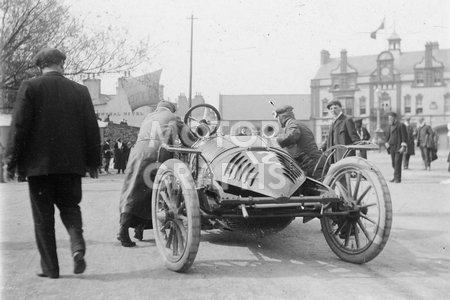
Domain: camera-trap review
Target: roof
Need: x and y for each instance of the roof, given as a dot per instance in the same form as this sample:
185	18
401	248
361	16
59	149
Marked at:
366	64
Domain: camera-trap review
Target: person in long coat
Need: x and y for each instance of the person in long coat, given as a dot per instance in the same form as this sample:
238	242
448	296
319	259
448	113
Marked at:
120	156
107	154
425	142
298	140
162	126
342	130
396	143
411	132
54	140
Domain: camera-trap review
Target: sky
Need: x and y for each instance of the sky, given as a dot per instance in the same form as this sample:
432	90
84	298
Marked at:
260	46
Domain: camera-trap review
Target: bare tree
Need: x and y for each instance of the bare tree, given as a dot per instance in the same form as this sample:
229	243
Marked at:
27	26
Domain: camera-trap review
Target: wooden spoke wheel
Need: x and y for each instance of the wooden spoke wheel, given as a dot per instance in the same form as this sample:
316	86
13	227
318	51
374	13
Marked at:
357	228
176	215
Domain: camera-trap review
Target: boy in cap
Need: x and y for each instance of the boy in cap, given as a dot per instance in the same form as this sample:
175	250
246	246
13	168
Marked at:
54	139
298	140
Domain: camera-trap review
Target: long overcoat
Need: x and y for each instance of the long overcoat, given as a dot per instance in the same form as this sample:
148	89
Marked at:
159	127
411	136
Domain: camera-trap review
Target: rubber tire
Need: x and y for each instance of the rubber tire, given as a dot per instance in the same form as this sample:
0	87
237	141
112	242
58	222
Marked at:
385	210
192	210
186	116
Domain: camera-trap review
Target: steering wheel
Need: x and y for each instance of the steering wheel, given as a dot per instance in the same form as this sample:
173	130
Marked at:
200	115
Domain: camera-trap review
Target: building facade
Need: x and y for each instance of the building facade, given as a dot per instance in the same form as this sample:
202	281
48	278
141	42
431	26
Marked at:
135	97
412	84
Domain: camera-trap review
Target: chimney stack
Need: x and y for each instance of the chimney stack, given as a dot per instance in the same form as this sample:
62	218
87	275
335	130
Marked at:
324	57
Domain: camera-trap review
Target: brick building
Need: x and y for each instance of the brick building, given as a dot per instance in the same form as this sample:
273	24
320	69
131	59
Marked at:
413	84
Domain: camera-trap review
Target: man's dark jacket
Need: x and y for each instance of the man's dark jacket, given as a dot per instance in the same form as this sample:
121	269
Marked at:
298	140
342	132
54	129
396	136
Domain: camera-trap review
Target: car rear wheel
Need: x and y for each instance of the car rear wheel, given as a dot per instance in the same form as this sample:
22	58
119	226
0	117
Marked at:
176	215
362	229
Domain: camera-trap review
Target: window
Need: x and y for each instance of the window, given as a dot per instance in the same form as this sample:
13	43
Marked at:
419	104
407	99
347	106
324	129
437	78
433	105
419	78
447	103
362	105
324	107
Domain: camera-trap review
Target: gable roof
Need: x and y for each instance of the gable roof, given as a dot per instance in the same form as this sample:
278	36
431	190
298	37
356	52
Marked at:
366	64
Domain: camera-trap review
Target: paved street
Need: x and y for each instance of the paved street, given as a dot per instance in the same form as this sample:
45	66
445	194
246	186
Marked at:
295	263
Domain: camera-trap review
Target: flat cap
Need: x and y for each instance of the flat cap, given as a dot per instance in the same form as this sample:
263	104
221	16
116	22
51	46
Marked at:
169	105
393	114
283	109
49	56
334	102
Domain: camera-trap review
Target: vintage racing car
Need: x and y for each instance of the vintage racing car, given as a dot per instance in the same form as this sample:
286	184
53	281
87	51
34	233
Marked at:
249	183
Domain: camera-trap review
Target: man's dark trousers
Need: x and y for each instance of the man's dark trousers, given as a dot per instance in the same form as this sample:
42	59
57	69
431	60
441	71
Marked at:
396	158
64	191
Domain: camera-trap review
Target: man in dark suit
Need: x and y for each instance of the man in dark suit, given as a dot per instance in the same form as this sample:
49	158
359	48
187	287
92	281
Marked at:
363	135
298	140
411	132
425	143
342	130
162	126
396	142
107	154
54	140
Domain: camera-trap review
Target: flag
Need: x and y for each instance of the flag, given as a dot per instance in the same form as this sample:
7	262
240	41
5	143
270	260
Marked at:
142	90
373	34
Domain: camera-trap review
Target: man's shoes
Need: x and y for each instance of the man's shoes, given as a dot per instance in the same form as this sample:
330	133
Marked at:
139	233
125	241
79	264
52	276
392	180
397	181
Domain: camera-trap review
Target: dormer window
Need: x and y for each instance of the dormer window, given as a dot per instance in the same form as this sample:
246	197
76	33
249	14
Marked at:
419	78
437	78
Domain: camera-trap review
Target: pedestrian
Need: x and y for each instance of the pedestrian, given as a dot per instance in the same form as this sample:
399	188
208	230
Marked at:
54	139
107	154
342	130
425	143
363	135
411	133
162	126
396	143
120	156
299	141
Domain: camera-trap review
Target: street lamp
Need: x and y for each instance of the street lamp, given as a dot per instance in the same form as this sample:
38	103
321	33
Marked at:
379	133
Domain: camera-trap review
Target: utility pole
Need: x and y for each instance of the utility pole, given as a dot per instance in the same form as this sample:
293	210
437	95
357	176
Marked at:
190	69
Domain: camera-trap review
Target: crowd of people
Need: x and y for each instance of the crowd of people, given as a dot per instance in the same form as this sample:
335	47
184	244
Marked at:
115	157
